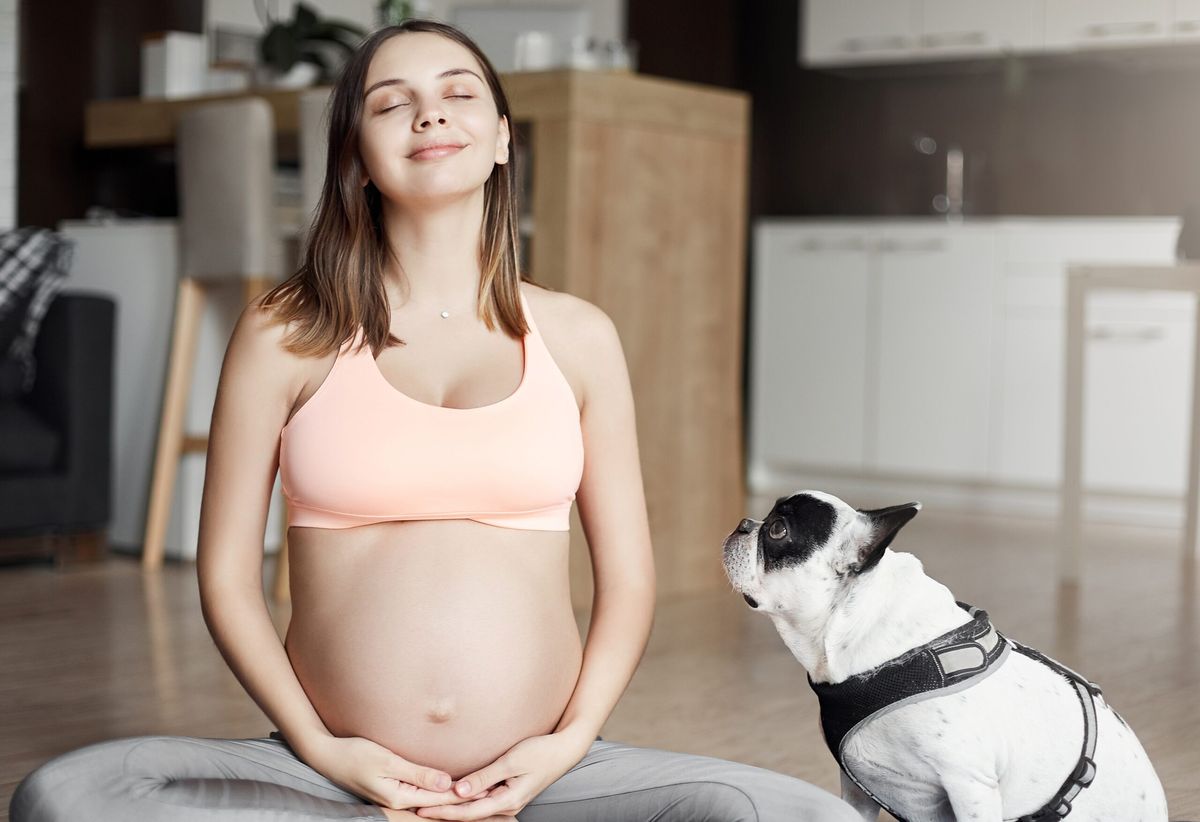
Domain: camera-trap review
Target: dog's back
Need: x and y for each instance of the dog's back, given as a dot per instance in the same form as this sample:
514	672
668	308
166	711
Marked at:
1019	727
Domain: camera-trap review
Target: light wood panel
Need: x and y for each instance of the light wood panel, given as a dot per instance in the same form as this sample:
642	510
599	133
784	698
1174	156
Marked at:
639	206
106	651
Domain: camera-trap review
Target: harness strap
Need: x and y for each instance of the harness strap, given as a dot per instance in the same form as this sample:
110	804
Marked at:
1085	770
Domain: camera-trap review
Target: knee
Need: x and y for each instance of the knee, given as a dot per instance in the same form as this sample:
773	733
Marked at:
728	802
777	799
69	785
828	808
722	802
37	797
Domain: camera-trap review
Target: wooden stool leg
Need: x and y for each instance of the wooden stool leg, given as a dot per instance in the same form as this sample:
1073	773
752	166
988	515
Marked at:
189	304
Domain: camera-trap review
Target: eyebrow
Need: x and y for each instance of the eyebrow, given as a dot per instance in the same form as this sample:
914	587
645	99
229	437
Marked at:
394	81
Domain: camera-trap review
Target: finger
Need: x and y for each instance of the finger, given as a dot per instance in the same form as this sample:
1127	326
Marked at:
429	778
405	795
484	778
479	809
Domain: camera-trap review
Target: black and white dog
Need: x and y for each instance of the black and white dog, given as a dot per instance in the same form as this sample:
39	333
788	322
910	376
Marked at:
932	713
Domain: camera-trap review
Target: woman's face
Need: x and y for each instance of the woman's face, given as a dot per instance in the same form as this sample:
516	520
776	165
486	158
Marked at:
423	108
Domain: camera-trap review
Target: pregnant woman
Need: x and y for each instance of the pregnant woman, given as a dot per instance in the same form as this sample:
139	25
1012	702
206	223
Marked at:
433	415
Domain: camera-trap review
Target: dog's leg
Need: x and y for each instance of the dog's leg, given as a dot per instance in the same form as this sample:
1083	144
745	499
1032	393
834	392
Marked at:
975	801
855	798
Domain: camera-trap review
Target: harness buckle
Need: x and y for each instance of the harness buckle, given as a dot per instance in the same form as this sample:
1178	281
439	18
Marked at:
1084	772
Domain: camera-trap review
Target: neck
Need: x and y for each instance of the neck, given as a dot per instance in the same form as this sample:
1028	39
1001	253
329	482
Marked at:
435	253
891	609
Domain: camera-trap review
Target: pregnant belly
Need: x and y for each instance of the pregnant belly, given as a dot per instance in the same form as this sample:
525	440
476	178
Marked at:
447	657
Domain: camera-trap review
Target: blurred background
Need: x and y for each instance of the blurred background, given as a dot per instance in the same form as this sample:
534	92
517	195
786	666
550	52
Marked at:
934	250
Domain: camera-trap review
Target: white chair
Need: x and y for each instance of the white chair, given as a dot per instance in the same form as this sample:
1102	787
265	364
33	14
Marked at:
229	237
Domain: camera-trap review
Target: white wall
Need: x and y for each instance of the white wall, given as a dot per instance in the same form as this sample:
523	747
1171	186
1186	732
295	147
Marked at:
9	80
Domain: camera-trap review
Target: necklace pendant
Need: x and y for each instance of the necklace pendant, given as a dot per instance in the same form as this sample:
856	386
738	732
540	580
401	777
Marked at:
445	314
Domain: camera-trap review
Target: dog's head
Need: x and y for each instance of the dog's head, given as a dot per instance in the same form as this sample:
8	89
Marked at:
807	550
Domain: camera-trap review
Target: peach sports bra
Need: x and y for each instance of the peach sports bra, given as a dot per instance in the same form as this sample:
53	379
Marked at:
359	451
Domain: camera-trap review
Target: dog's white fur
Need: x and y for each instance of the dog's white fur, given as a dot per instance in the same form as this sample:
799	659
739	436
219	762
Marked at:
994	751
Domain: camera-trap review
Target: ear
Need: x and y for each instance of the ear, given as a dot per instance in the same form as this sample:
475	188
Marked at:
882	525
503	142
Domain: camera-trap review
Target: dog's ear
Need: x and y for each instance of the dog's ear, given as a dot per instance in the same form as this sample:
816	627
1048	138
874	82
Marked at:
881	526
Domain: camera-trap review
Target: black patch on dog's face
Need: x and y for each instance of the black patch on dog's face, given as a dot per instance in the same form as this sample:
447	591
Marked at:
796	527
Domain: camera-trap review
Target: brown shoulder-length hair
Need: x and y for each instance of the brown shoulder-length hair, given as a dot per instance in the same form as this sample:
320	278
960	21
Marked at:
339	283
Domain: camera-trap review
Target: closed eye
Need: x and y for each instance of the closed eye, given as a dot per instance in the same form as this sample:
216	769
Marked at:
450	97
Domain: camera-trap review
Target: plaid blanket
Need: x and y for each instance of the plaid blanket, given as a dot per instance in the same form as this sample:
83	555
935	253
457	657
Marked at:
34	263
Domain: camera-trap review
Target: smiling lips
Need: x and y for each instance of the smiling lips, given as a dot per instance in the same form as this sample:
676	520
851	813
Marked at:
434	152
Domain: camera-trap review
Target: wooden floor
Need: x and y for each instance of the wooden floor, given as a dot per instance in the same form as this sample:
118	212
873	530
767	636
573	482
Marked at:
103	651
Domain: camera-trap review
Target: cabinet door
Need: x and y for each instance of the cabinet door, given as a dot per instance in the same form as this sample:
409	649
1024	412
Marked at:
1102	23
953	28
1028	433
1185	20
1137	394
808	348
857	31
934	352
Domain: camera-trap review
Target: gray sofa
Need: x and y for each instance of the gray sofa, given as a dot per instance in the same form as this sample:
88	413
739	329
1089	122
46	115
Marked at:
56	440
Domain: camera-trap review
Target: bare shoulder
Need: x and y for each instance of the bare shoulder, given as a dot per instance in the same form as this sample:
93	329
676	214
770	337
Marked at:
572	320
581	337
258	338
256	350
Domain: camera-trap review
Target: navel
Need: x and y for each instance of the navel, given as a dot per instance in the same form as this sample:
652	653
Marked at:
441	710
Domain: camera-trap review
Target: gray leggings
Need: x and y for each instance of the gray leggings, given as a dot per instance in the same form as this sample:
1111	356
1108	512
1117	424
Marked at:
189	779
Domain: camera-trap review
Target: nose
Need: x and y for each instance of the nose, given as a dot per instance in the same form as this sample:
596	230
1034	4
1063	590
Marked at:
745	526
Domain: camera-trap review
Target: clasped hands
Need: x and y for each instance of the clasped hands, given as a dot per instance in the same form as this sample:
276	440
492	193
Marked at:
502	789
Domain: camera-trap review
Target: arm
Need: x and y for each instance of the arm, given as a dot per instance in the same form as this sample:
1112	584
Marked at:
612	508
259	382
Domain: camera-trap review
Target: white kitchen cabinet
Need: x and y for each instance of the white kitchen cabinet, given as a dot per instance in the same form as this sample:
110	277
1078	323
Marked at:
934	351
857	31
1084	24
913	352
1185	20
1029	392
964	28
808	346
1137	394
1027	437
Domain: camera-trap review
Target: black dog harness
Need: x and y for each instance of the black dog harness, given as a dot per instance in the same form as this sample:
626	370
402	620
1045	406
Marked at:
954	661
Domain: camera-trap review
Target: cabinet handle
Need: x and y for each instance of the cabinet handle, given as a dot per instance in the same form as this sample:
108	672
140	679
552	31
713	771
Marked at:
931	244
817	244
887	41
1114	29
1124	334
1186	25
955	38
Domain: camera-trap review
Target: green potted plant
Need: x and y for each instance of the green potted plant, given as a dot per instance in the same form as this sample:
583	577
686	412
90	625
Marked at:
394	12
295	53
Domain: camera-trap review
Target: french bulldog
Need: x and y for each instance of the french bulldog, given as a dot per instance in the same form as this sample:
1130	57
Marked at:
997	747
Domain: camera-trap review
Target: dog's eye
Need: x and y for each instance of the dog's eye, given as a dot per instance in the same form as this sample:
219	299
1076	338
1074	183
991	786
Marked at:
777	530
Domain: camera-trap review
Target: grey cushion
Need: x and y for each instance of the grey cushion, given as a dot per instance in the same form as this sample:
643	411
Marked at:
29	443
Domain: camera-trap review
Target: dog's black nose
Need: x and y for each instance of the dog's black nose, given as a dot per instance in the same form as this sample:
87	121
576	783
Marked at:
751	601
745	526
